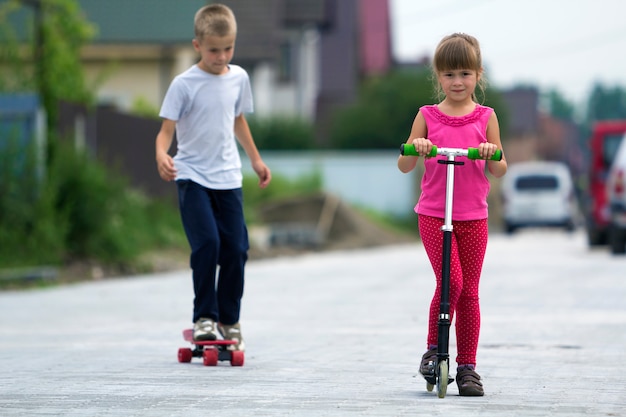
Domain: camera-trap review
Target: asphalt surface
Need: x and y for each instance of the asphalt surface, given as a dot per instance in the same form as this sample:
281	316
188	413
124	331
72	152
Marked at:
334	334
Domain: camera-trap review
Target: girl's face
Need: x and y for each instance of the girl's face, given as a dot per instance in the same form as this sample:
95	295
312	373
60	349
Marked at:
458	85
215	53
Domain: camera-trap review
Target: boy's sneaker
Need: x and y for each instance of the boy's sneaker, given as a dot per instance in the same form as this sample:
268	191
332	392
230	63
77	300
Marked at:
468	382
232	332
204	329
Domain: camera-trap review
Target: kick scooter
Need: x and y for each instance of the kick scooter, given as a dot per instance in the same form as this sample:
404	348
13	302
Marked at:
440	377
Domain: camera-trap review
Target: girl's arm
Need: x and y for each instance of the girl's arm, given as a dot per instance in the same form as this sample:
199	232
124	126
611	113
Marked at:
417	138
496	168
244	137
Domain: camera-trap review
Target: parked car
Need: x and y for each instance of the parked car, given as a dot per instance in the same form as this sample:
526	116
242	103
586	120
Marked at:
616	193
538	194
606	137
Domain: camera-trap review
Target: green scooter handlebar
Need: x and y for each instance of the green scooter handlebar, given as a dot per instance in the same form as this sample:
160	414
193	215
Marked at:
471	153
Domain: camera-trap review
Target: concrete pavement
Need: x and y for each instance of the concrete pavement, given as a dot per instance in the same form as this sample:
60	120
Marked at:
334	334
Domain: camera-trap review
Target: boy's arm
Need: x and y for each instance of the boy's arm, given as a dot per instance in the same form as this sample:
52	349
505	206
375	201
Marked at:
244	136
165	163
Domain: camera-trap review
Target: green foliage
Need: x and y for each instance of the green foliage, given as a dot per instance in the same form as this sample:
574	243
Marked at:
495	100
282	133
142	107
29	227
106	220
386	107
15	76
57	40
606	103
64	32
384	112
558	106
95	206
79	210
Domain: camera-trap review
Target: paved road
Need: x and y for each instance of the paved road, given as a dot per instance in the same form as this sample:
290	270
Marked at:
337	334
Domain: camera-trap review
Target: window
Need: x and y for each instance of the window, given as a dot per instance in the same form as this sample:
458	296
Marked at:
537	182
286	63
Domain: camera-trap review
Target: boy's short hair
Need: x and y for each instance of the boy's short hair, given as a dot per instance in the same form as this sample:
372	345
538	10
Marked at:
214	20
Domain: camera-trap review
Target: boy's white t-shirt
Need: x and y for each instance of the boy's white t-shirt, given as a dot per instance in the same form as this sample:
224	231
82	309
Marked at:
204	107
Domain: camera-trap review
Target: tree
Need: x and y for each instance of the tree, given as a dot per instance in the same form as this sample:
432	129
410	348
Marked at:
383	115
606	103
60	31
558	106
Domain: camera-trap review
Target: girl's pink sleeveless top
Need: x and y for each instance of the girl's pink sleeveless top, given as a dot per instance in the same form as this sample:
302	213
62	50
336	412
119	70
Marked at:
471	185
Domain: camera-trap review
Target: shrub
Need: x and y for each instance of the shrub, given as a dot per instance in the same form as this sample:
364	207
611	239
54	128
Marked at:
29	226
78	210
282	133
279	187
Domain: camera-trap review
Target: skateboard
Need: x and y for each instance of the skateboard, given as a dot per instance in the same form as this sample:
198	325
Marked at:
211	351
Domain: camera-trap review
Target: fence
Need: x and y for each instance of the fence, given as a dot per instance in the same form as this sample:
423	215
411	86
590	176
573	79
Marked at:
366	178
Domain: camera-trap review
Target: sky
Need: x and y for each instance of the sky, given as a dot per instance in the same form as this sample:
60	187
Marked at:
567	45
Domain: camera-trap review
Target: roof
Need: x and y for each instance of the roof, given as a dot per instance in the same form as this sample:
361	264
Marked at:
142	21
299	12
261	23
126	21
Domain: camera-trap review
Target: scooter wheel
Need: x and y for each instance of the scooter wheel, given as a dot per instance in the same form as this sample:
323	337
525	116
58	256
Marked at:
442	379
429	387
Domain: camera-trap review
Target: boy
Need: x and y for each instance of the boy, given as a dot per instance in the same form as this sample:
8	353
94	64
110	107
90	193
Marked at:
205	106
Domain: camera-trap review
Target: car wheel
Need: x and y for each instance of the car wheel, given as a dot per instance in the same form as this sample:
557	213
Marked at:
595	236
509	228
617	240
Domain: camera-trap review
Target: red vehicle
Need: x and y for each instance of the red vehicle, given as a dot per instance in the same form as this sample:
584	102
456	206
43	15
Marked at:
606	137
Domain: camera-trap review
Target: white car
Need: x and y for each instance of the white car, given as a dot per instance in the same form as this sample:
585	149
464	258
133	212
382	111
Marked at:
538	193
616	194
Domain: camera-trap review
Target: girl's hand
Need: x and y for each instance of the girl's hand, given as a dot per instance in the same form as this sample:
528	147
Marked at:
422	145
487	149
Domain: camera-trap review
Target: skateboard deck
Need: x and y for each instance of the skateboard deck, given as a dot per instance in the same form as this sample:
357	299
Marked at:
211	351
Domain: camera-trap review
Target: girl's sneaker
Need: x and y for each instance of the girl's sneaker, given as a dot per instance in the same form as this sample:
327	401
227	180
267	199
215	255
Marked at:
468	382
232	332
204	329
427	367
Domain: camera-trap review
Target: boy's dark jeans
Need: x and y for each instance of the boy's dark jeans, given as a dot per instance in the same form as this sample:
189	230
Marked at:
217	233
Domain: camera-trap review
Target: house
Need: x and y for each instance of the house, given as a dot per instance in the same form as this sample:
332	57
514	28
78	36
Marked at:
533	134
304	57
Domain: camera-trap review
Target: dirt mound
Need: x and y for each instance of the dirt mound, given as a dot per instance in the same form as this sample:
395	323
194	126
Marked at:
318	222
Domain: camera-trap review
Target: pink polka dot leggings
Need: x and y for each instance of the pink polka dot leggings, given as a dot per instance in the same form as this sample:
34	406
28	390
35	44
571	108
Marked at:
469	243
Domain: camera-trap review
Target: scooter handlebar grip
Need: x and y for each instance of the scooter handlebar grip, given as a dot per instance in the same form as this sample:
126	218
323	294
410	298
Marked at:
408	149
472	153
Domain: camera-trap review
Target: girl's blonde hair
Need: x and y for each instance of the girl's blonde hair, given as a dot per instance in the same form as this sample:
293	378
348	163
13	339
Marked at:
458	51
214	20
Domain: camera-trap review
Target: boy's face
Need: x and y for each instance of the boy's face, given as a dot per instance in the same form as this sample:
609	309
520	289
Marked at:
215	53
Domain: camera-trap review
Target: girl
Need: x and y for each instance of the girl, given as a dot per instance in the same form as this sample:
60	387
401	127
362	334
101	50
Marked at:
458	121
